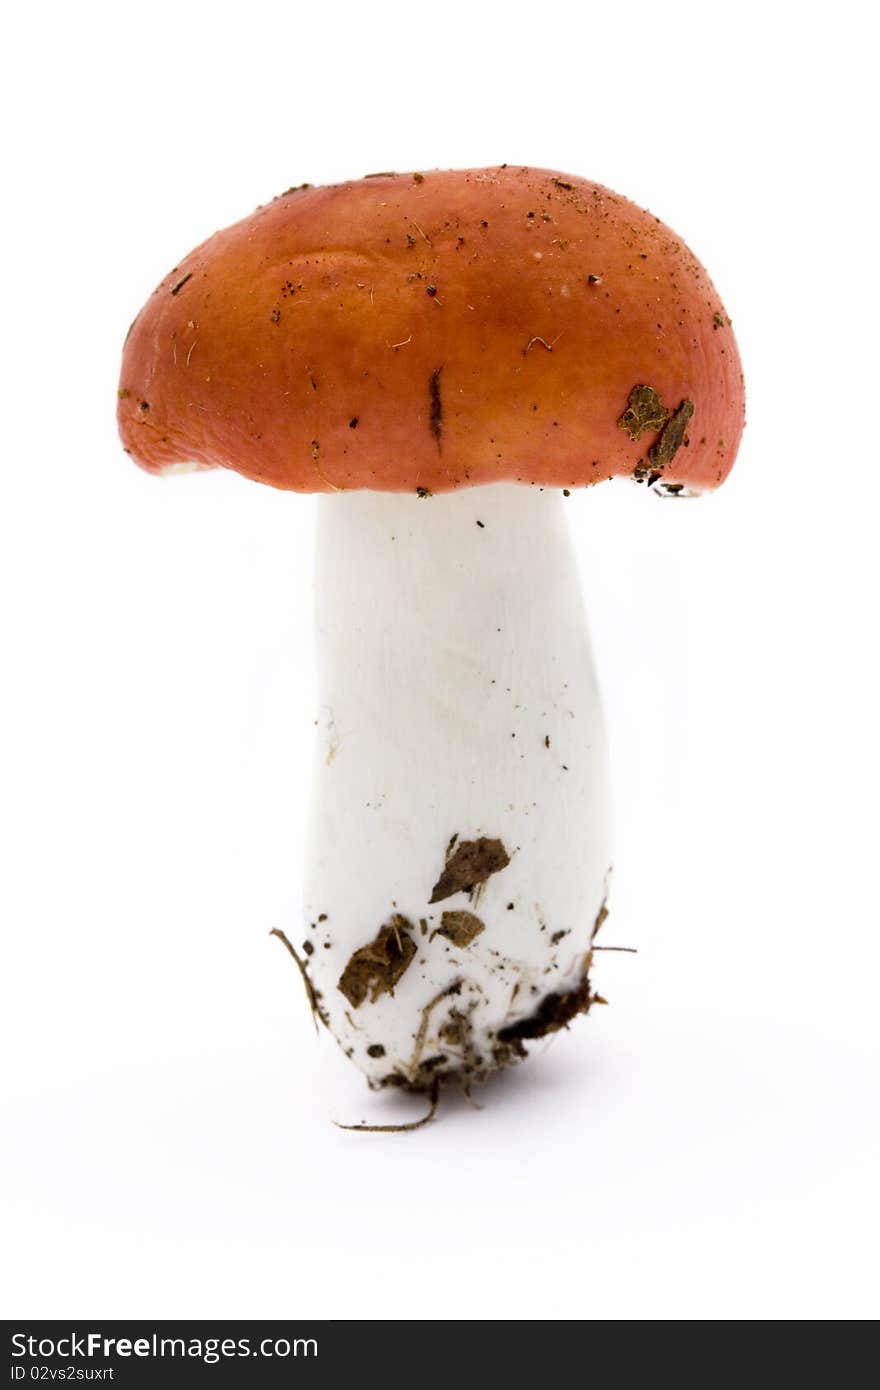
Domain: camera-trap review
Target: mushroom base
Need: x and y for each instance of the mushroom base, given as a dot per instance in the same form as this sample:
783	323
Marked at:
460	835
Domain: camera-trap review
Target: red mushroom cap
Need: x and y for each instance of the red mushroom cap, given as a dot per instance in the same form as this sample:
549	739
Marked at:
430	332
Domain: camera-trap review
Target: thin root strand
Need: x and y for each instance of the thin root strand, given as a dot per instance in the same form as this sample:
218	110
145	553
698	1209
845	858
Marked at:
399	1129
311	993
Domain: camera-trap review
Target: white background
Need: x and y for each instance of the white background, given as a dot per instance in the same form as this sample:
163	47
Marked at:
706	1146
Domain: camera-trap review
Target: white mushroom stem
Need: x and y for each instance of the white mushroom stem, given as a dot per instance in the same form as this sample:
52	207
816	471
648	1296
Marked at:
458	699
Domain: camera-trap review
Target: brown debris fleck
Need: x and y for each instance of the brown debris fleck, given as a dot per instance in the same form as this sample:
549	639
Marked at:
435	413
461	928
453	1031
555	1011
601	918
468	866
668	444
644	411
375	969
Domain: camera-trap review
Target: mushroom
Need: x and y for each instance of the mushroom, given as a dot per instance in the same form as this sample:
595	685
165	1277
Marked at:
441	357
